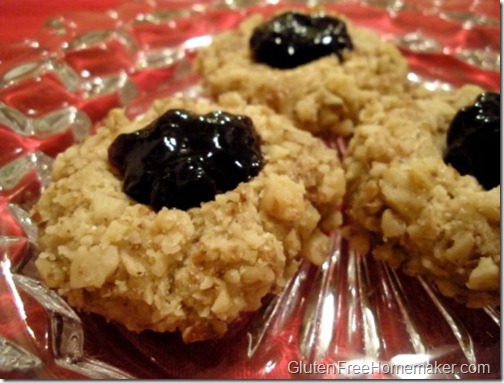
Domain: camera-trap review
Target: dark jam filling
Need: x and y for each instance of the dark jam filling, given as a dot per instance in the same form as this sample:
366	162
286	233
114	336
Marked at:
473	140
183	159
293	39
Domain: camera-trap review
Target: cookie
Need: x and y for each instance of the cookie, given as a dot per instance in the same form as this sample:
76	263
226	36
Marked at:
195	270
323	96
413	210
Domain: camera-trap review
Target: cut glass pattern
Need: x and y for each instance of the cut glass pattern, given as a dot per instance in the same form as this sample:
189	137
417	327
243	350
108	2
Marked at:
55	87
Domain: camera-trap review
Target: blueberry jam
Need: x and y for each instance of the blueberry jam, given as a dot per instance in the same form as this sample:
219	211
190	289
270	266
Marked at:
293	39
473	140
183	159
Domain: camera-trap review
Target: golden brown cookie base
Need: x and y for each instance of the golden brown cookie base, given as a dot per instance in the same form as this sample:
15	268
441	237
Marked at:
324	96
414	211
197	270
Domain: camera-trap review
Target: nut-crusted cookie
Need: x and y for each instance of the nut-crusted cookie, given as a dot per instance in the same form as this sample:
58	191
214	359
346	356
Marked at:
415	211
323	96
195	270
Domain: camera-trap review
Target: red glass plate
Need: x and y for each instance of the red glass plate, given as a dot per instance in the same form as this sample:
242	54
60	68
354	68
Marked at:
351	318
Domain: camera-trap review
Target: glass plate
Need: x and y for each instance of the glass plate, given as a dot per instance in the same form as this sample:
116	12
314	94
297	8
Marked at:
353	317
